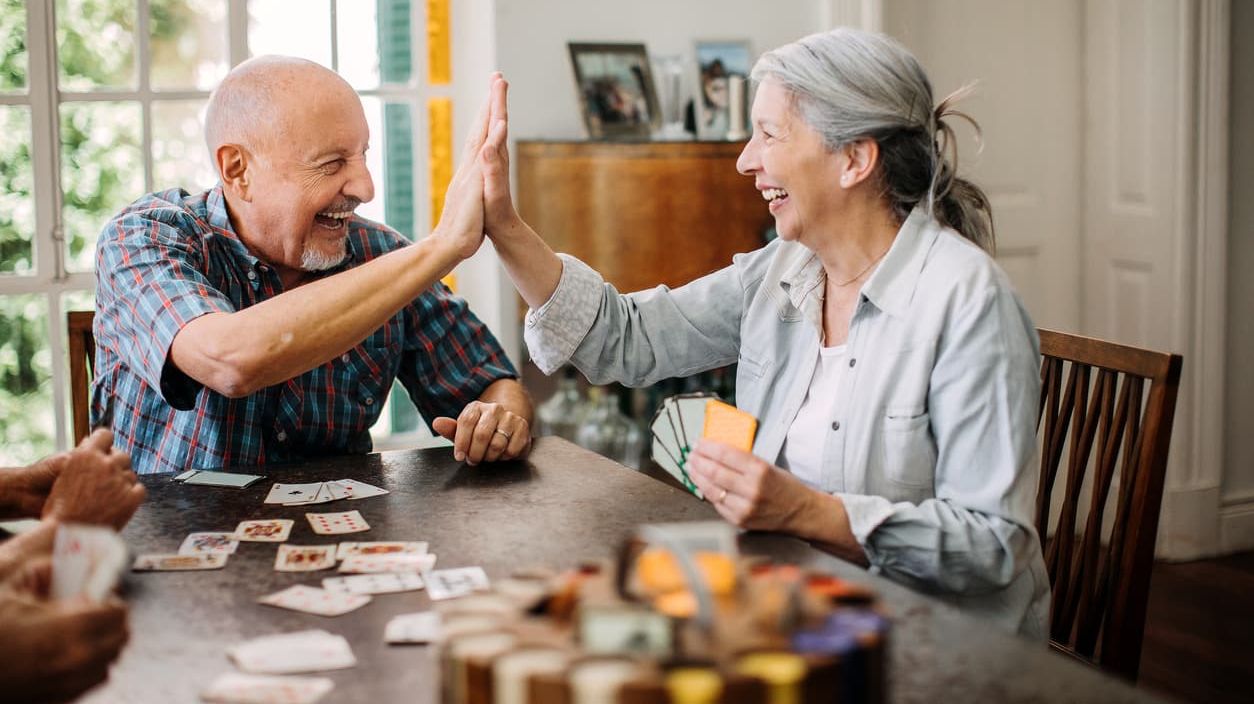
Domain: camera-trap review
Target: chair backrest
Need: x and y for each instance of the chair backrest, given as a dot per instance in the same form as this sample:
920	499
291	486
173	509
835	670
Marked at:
82	347
1093	397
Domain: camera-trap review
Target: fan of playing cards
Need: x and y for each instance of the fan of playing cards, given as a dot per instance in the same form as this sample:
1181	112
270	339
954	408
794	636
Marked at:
684	418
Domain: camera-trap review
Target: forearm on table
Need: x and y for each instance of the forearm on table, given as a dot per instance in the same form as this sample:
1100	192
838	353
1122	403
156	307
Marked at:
281	338
510	394
823	520
532	265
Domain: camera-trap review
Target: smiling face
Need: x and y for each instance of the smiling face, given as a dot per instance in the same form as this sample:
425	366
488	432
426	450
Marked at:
792	167
301	167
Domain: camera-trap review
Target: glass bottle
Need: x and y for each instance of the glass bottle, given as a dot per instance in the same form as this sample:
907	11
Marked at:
607	431
562	413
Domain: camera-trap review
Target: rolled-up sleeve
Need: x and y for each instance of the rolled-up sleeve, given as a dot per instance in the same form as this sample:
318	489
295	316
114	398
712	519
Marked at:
976	535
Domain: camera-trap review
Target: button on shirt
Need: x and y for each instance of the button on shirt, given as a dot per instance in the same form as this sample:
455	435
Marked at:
933	458
171	257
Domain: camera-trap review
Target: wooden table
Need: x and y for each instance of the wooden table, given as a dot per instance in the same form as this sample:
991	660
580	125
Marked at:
565	505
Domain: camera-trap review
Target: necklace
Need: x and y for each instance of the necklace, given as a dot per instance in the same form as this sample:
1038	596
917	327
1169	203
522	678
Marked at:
864	271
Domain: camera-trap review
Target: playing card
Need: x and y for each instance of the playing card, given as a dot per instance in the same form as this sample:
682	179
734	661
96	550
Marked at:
304	558
86	561
360	490
286	493
380	583
236	688
450	584
422	627
290	653
322	496
676	425
728	424
336	490
231	479
209	543
269	530
337	523
380	548
397	562
313	600
178	563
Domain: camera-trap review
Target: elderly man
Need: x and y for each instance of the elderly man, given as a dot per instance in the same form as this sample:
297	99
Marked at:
261	321
57	649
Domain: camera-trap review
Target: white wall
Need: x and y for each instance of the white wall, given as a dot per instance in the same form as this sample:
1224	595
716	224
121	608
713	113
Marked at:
531	37
1238	483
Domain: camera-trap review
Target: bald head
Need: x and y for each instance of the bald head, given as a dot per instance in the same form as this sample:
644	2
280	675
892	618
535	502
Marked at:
264	97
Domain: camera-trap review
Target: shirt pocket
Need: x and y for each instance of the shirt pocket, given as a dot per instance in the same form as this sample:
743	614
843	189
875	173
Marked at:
909	450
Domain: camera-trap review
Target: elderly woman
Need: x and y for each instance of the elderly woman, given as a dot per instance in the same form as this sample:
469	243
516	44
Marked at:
891	365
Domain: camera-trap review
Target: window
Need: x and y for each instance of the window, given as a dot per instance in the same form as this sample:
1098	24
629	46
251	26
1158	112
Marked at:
132	80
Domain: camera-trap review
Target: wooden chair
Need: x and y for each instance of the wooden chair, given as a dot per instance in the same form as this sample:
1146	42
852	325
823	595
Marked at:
82	346
1093	397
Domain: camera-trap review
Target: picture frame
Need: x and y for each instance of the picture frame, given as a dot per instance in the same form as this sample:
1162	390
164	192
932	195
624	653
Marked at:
614	83
717	61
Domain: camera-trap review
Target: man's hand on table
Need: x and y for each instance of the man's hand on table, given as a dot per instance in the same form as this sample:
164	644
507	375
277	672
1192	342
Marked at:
95	485
486	432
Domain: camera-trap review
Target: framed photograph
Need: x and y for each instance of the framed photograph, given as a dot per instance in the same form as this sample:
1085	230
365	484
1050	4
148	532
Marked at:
717	62
616	90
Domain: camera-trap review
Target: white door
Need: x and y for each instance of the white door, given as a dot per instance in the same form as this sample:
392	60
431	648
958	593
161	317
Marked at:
1026	55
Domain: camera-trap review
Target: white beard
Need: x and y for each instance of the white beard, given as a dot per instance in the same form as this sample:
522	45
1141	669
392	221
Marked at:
313	260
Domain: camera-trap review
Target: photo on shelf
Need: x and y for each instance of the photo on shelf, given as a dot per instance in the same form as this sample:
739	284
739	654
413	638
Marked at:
717	63
616	92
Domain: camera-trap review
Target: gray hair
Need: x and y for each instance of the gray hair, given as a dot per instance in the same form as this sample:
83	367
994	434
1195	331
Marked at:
850	85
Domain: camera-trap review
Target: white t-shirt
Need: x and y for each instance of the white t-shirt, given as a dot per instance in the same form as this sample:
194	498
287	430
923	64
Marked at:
803	448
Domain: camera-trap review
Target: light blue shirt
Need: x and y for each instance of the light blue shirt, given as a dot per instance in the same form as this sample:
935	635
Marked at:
932	440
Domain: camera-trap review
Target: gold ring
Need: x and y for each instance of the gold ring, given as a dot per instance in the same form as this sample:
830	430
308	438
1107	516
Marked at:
502	432
721	496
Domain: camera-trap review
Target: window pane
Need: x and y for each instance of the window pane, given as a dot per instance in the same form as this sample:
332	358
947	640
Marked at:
188	43
357	35
96	44
28	429
391	163
291	28
101	171
12	45
17	205
179	156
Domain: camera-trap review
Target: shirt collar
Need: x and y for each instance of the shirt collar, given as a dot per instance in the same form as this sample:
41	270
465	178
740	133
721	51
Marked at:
892	285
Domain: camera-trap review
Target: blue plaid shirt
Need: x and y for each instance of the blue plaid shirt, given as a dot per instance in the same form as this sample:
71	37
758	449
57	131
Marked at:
171	257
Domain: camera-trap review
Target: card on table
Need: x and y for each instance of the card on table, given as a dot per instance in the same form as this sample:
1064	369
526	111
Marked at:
209	543
236	688
378	583
421	627
290	653
337	523
728	424
312	600
452	583
396	562
231	479
288	493
361	490
304	558
178	563
322	496
86	561
267	530
380	548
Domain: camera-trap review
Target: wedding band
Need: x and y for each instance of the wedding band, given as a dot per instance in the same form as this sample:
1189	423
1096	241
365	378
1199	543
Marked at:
502	432
721	496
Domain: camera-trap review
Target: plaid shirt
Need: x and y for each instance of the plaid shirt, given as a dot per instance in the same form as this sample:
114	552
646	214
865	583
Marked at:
171	257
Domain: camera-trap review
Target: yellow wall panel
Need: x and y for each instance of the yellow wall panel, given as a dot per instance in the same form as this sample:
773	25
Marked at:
440	132
439	43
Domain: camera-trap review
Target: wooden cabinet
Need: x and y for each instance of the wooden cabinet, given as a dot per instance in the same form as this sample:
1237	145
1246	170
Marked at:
642	214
